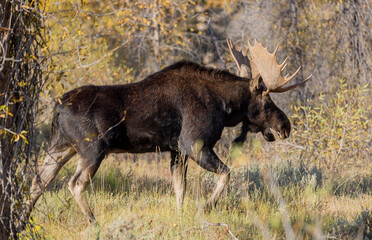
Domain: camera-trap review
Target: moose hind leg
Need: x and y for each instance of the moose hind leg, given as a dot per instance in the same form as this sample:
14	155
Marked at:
84	173
179	172
52	164
207	159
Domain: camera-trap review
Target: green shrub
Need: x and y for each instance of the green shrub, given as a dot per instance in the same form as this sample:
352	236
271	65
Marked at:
334	129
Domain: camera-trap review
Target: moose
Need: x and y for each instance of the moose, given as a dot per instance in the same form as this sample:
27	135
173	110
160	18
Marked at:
181	109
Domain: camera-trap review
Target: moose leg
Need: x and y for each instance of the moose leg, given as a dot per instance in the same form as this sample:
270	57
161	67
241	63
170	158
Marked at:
221	184
52	164
84	173
243	135
207	159
179	171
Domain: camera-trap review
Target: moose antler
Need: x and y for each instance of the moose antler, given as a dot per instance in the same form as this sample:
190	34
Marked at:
241	60
265	64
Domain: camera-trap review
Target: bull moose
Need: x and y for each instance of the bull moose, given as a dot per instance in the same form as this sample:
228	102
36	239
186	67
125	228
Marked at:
182	109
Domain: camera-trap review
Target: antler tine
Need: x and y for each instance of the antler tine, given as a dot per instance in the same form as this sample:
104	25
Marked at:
283	63
282	68
293	75
276	49
280	90
229	43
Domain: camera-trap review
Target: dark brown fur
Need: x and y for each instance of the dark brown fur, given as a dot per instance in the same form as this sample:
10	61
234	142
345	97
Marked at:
182	109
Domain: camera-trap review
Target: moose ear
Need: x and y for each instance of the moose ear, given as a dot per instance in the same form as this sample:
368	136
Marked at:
256	83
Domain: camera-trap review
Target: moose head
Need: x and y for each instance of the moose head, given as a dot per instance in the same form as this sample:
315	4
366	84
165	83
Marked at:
266	76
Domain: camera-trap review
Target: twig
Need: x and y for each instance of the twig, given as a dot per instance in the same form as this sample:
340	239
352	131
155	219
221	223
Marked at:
97	61
292	145
207	225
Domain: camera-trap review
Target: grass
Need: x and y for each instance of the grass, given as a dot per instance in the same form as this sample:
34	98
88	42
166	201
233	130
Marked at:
134	200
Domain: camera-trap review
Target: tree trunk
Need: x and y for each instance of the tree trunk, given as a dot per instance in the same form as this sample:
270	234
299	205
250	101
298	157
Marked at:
5	69
20	86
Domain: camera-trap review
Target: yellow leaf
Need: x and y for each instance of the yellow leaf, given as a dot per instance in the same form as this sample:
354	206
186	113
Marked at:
24	138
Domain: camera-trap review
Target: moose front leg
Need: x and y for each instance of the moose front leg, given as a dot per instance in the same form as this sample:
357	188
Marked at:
179	171
207	159
243	135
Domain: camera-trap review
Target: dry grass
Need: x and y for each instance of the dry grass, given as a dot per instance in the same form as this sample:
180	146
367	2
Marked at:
133	200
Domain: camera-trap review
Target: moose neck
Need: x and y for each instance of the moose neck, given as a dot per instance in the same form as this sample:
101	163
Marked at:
236	96
234	91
